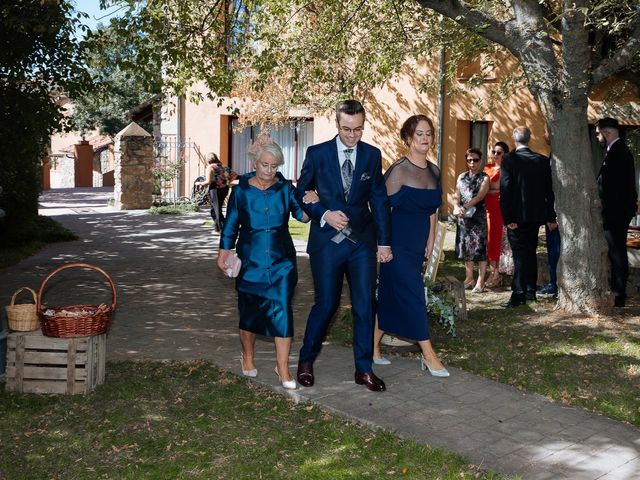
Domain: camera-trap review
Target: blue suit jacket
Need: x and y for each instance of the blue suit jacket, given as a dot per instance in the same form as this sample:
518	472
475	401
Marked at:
367	206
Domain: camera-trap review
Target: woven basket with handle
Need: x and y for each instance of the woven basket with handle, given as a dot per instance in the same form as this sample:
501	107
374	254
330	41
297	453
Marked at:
22	317
75	320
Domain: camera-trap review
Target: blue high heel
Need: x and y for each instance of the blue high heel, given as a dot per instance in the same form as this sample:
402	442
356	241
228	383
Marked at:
435	373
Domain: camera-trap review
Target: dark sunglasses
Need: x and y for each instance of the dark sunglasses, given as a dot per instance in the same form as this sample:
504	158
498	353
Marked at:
496	152
474	160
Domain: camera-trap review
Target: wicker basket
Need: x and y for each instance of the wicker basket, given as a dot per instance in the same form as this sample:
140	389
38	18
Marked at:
75	320
23	317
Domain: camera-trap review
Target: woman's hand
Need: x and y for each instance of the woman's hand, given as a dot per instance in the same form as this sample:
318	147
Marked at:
458	211
310	196
223	255
428	251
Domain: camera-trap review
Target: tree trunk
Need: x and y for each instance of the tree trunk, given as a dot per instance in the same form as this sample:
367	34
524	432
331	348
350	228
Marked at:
583	268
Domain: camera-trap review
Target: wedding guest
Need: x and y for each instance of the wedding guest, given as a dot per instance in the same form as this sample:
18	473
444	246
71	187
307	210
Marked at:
218	177
413	187
618	195
471	236
257	218
495	226
527	202
349	230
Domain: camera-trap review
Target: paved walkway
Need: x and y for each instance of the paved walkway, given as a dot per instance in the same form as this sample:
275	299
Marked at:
174	304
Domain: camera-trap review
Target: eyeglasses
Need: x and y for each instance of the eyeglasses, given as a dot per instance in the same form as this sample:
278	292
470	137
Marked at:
347	130
496	152
474	160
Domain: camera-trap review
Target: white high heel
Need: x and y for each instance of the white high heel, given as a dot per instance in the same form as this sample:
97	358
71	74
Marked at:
247	373
443	372
287	384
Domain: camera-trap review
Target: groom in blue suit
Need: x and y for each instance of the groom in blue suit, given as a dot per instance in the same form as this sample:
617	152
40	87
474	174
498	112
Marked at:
350	230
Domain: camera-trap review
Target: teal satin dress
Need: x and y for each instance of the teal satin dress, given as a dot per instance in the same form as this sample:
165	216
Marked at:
259	221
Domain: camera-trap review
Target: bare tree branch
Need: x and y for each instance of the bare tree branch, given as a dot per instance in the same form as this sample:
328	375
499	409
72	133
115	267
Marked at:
621	59
472	20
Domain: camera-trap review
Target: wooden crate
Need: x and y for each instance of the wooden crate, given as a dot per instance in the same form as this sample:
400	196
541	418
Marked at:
39	364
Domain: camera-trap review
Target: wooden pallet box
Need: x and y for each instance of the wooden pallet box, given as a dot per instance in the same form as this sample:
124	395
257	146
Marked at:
39	364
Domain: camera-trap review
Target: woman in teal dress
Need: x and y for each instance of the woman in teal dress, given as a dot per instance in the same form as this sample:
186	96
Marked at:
257	217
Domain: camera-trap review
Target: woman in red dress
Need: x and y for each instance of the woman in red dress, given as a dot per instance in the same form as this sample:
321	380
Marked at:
494	215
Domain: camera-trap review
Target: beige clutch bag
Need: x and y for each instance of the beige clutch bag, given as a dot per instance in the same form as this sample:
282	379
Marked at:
233	266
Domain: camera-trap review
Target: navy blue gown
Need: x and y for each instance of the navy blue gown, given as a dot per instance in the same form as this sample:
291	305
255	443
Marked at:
414	195
259	220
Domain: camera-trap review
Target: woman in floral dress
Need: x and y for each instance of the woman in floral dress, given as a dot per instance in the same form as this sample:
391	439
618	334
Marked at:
471	236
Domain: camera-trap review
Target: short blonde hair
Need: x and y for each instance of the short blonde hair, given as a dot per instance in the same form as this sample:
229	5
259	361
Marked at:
262	145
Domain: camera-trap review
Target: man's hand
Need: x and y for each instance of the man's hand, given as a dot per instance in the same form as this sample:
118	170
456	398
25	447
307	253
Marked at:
384	254
336	219
512	226
552	226
310	196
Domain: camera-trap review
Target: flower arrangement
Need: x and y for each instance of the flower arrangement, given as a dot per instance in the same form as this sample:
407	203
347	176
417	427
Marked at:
441	306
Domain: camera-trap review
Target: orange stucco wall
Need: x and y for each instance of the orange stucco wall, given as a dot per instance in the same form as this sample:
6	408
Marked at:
207	124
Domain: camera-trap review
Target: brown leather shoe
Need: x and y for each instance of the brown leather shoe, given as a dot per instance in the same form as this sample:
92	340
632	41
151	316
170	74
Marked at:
370	381
305	374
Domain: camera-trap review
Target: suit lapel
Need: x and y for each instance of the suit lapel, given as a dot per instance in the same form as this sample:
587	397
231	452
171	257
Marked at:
333	165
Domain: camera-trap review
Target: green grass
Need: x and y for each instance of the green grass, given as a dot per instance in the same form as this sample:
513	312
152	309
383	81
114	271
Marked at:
299	230
174	209
570	360
190	420
587	363
44	230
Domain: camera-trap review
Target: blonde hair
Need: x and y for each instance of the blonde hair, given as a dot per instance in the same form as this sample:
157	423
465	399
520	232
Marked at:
264	144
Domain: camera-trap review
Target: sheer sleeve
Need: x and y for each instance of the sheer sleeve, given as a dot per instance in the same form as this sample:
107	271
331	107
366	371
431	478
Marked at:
393	178
405	173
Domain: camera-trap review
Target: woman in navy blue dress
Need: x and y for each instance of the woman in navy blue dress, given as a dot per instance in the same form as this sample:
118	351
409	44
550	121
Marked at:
258	216
413	187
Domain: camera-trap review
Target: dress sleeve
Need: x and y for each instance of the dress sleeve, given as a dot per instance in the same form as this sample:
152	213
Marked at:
231	226
295	206
393	179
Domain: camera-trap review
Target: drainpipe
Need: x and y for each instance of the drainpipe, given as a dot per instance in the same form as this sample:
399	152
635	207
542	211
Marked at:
178	145
441	75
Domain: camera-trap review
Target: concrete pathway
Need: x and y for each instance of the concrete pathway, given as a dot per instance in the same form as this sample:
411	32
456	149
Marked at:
174	304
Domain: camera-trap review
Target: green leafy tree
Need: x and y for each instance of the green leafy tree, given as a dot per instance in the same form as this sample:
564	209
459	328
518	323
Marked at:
321	51
115	90
39	64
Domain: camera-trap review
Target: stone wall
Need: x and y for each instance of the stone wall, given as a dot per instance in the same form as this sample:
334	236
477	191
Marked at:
133	168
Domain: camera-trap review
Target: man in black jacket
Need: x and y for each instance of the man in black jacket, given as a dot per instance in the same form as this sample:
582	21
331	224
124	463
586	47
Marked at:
618	195
526	201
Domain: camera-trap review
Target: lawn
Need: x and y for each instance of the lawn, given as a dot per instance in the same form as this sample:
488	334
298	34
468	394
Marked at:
44	230
177	420
591	363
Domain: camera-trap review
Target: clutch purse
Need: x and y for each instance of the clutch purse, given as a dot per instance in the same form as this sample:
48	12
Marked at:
468	213
233	266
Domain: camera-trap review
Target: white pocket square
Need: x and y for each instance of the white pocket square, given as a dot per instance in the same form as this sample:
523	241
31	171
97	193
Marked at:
364	177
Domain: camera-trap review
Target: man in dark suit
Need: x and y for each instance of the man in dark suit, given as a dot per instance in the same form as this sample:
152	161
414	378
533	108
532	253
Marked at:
350	228
618	195
526	201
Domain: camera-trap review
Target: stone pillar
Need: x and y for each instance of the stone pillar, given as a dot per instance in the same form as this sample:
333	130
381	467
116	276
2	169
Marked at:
133	187
83	166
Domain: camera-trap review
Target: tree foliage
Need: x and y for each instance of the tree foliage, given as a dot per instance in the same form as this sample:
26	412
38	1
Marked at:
114	90
278	54
39	64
